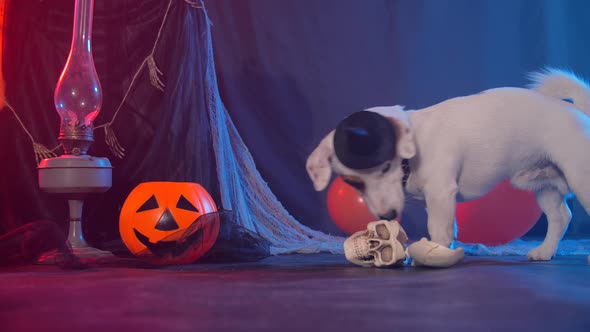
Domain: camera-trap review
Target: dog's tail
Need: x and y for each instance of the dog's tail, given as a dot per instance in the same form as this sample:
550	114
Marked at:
564	85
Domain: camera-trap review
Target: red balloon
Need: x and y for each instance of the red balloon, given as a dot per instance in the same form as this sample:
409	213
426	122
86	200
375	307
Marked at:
347	208
503	215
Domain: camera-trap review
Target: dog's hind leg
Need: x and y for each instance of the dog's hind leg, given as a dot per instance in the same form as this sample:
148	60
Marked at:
577	173
558	214
580	186
551	189
573	161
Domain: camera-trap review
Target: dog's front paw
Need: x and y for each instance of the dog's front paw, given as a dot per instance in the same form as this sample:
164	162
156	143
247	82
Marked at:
541	253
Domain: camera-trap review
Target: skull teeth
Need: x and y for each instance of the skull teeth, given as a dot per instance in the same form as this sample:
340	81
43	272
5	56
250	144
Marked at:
356	248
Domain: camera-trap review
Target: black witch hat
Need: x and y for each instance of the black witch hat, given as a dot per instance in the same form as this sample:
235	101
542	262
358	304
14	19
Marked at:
364	140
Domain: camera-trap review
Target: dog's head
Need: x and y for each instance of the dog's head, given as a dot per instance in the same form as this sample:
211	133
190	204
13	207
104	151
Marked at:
367	149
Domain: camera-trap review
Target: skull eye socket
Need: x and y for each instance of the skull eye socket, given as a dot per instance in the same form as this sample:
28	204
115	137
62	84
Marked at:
150	204
185	204
387	254
382	232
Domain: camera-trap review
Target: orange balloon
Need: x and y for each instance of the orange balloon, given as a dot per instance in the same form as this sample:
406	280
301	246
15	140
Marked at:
503	215
347	208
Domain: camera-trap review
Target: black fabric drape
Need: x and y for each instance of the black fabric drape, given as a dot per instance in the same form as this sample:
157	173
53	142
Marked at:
165	134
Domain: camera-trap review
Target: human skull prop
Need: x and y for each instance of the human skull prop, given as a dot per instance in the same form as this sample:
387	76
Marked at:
381	245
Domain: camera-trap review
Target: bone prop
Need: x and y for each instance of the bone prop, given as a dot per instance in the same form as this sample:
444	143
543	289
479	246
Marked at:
431	254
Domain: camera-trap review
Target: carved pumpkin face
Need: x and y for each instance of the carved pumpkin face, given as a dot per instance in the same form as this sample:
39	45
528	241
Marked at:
156	214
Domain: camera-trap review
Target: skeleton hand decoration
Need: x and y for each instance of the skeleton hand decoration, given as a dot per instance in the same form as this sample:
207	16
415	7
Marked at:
381	245
428	253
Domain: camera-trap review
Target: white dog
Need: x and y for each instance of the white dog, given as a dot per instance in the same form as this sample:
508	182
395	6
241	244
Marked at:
461	148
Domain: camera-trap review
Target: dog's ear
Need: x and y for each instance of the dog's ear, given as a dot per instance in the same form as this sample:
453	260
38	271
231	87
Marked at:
406	144
318	164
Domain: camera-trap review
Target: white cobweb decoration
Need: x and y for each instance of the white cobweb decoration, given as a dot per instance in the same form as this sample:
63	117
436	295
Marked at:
521	247
242	188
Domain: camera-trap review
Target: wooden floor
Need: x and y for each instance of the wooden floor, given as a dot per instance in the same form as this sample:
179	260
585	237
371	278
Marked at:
301	293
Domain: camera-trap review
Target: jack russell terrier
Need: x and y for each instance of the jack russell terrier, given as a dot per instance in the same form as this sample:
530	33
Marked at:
459	149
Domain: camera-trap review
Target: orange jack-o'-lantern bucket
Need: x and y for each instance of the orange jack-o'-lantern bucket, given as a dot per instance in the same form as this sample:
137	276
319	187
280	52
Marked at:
162	222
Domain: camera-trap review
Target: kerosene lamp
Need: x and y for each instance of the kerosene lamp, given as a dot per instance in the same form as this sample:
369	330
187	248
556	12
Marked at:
78	99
